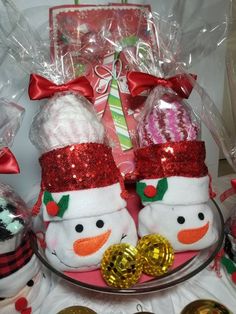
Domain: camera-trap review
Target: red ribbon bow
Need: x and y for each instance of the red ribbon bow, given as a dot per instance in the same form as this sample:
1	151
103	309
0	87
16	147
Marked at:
180	83
231	191
8	162
40	87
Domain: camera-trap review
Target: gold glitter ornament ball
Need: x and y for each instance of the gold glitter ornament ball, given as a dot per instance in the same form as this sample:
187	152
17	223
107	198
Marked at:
205	307
121	265
157	254
77	310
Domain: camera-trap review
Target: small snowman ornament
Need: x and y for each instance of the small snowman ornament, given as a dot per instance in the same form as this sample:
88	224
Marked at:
18	264
82	191
174	181
23	283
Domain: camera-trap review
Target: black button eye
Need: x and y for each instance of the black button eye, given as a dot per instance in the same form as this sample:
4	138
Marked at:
79	228
30	283
201	216
100	223
181	220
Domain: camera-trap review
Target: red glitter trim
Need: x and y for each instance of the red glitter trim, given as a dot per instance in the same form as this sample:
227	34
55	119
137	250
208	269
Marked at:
78	167
184	158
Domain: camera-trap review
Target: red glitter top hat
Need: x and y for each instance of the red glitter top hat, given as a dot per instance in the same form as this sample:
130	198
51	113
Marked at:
79	175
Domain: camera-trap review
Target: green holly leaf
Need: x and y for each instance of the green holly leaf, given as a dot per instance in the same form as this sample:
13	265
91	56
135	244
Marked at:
63	205
229	265
161	187
47	197
140	191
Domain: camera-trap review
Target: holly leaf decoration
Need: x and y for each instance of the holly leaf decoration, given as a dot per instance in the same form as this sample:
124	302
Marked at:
229	265
161	189
47	197
63	205
140	191
53	208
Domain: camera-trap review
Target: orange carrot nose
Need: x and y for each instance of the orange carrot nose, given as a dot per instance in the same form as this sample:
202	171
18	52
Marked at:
189	236
88	246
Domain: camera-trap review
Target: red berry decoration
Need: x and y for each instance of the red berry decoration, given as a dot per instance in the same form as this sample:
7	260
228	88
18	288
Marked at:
27	311
150	191
233	277
21	304
52	208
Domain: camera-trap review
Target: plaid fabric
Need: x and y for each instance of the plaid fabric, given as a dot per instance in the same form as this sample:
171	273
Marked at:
13	261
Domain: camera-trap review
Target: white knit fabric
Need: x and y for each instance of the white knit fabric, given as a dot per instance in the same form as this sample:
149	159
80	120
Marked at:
64	120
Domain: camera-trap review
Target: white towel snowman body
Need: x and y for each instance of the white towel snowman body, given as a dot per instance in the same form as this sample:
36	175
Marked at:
174	184
83	195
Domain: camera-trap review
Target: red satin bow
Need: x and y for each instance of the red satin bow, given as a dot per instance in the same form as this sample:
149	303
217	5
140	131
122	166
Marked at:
40	87
8	162
139	82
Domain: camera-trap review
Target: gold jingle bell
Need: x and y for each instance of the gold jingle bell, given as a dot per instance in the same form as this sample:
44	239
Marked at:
121	265
205	307
77	310
157	254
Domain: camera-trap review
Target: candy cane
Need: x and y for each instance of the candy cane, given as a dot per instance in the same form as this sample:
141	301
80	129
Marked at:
114	101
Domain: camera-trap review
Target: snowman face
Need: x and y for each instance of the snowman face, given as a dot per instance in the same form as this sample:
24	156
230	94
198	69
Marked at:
189	227
79	244
34	293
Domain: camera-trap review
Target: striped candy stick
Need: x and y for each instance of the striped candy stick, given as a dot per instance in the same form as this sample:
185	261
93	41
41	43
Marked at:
114	101
118	117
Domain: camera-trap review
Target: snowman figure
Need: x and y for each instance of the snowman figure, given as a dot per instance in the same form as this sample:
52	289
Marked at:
174	182
82	191
23	284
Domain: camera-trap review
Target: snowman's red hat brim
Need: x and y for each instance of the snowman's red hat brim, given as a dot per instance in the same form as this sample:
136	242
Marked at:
84	174
181	165
78	167
182	190
89	202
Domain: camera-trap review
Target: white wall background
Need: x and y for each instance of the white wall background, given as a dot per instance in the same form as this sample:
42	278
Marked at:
210	71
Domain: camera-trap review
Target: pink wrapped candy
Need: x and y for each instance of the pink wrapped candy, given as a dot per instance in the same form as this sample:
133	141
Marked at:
168	121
